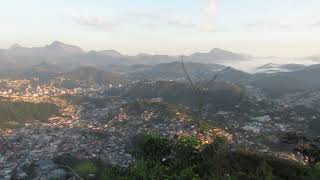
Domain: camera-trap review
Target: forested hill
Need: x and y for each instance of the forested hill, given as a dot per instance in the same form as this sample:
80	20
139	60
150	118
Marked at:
15	114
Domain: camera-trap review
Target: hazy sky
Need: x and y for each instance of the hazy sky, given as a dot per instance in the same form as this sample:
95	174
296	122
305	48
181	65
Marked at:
258	27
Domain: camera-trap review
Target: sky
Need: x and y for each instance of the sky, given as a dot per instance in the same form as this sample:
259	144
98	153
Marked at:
287	28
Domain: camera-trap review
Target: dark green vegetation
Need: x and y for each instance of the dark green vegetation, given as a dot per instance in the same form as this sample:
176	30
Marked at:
47	73
43	71
184	158
93	75
222	96
173	70
75	99
129	69
69	84
196	71
165	109
15	114
314	125
278	84
96	102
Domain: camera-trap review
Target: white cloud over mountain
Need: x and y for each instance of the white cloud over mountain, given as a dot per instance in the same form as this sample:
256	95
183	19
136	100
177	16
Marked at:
208	16
154	18
133	17
98	22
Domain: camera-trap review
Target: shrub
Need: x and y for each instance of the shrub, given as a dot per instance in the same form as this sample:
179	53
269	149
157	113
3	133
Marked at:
314	172
211	159
86	168
186	160
185	151
151	147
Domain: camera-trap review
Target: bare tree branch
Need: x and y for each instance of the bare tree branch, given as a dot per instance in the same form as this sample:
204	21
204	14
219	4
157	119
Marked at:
187	76
200	90
215	77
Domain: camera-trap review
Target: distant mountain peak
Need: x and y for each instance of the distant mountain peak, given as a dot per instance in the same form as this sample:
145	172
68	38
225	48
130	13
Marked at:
143	55
216	50
56	43
15	46
111	52
222	51
43	64
92	52
65	47
217	54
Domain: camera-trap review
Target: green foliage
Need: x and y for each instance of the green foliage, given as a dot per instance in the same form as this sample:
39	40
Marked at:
205	126
211	159
92	75
188	160
277	84
188	141
184	154
86	168
148	170
139	106
187	174
185	148
314	172
91	168
151	147
75	99
264	171
22	112
185	159
223	96
69	84
95	102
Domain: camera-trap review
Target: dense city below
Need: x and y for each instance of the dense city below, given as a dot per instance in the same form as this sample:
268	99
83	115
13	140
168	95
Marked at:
93	117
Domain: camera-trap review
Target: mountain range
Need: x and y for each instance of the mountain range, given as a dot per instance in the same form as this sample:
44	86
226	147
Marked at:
274	68
72	56
109	66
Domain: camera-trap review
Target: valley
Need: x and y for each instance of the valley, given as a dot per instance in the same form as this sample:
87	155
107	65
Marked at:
92	113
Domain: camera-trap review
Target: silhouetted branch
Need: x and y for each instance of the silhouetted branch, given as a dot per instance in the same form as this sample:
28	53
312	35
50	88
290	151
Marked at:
194	88
200	90
215	77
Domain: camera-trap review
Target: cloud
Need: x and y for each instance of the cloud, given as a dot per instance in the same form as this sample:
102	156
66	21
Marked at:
137	18
180	21
208	15
143	15
98	22
304	22
316	24
286	24
160	18
268	25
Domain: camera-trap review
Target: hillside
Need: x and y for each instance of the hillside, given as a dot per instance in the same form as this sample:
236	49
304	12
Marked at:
16	114
216	55
43	71
174	70
278	84
222	96
129	69
275	85
93	75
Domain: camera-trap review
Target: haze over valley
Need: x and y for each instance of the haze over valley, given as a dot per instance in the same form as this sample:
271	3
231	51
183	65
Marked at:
160	90
72	56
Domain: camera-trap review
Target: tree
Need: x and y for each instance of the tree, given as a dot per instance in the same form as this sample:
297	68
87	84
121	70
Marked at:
200	91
